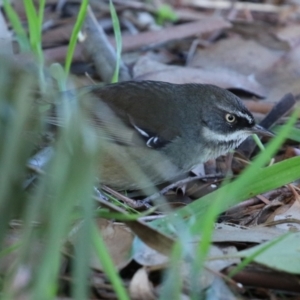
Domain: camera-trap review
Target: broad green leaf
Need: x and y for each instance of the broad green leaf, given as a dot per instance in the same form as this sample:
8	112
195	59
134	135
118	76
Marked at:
283	255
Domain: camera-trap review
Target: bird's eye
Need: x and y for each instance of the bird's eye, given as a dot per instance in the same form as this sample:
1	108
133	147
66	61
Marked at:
230	118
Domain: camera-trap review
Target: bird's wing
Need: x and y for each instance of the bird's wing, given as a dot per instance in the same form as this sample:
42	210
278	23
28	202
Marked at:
133	114
116	125
120	127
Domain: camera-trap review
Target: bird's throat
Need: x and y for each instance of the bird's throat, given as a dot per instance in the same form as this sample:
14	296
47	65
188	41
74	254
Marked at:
211	135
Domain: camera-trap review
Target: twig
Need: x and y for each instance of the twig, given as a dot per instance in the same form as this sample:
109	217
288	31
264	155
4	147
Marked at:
223	4
179	183
263	199
277	222
128	201
292	188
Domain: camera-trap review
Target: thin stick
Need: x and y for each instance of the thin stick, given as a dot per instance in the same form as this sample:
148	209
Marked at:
178	183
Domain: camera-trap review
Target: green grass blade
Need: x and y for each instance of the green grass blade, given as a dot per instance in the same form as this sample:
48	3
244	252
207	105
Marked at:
41	14
67	183
17	26
172	282
35	21
74	35
83	245
281	254
294	134
251	257
258	142
118	38
58	73
15	121
108	265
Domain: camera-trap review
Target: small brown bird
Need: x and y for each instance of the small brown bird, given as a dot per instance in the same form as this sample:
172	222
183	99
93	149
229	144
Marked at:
156	131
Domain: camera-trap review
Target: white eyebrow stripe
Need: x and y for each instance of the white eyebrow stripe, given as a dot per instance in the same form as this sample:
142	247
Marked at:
245	116
238	113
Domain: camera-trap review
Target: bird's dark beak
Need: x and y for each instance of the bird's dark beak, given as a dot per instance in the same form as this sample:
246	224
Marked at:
257	129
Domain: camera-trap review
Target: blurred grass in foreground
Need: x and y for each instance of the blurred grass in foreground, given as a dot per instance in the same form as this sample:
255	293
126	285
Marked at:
62	193
64	186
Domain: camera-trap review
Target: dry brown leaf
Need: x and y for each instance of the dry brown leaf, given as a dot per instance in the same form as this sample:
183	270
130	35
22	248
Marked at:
146	233
246	57
220	290
268	211
151	258
235	233
218	265
263	32
277	72
147	256
146	69
204	278
289	34
118	240
140	287
282	77
292	213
